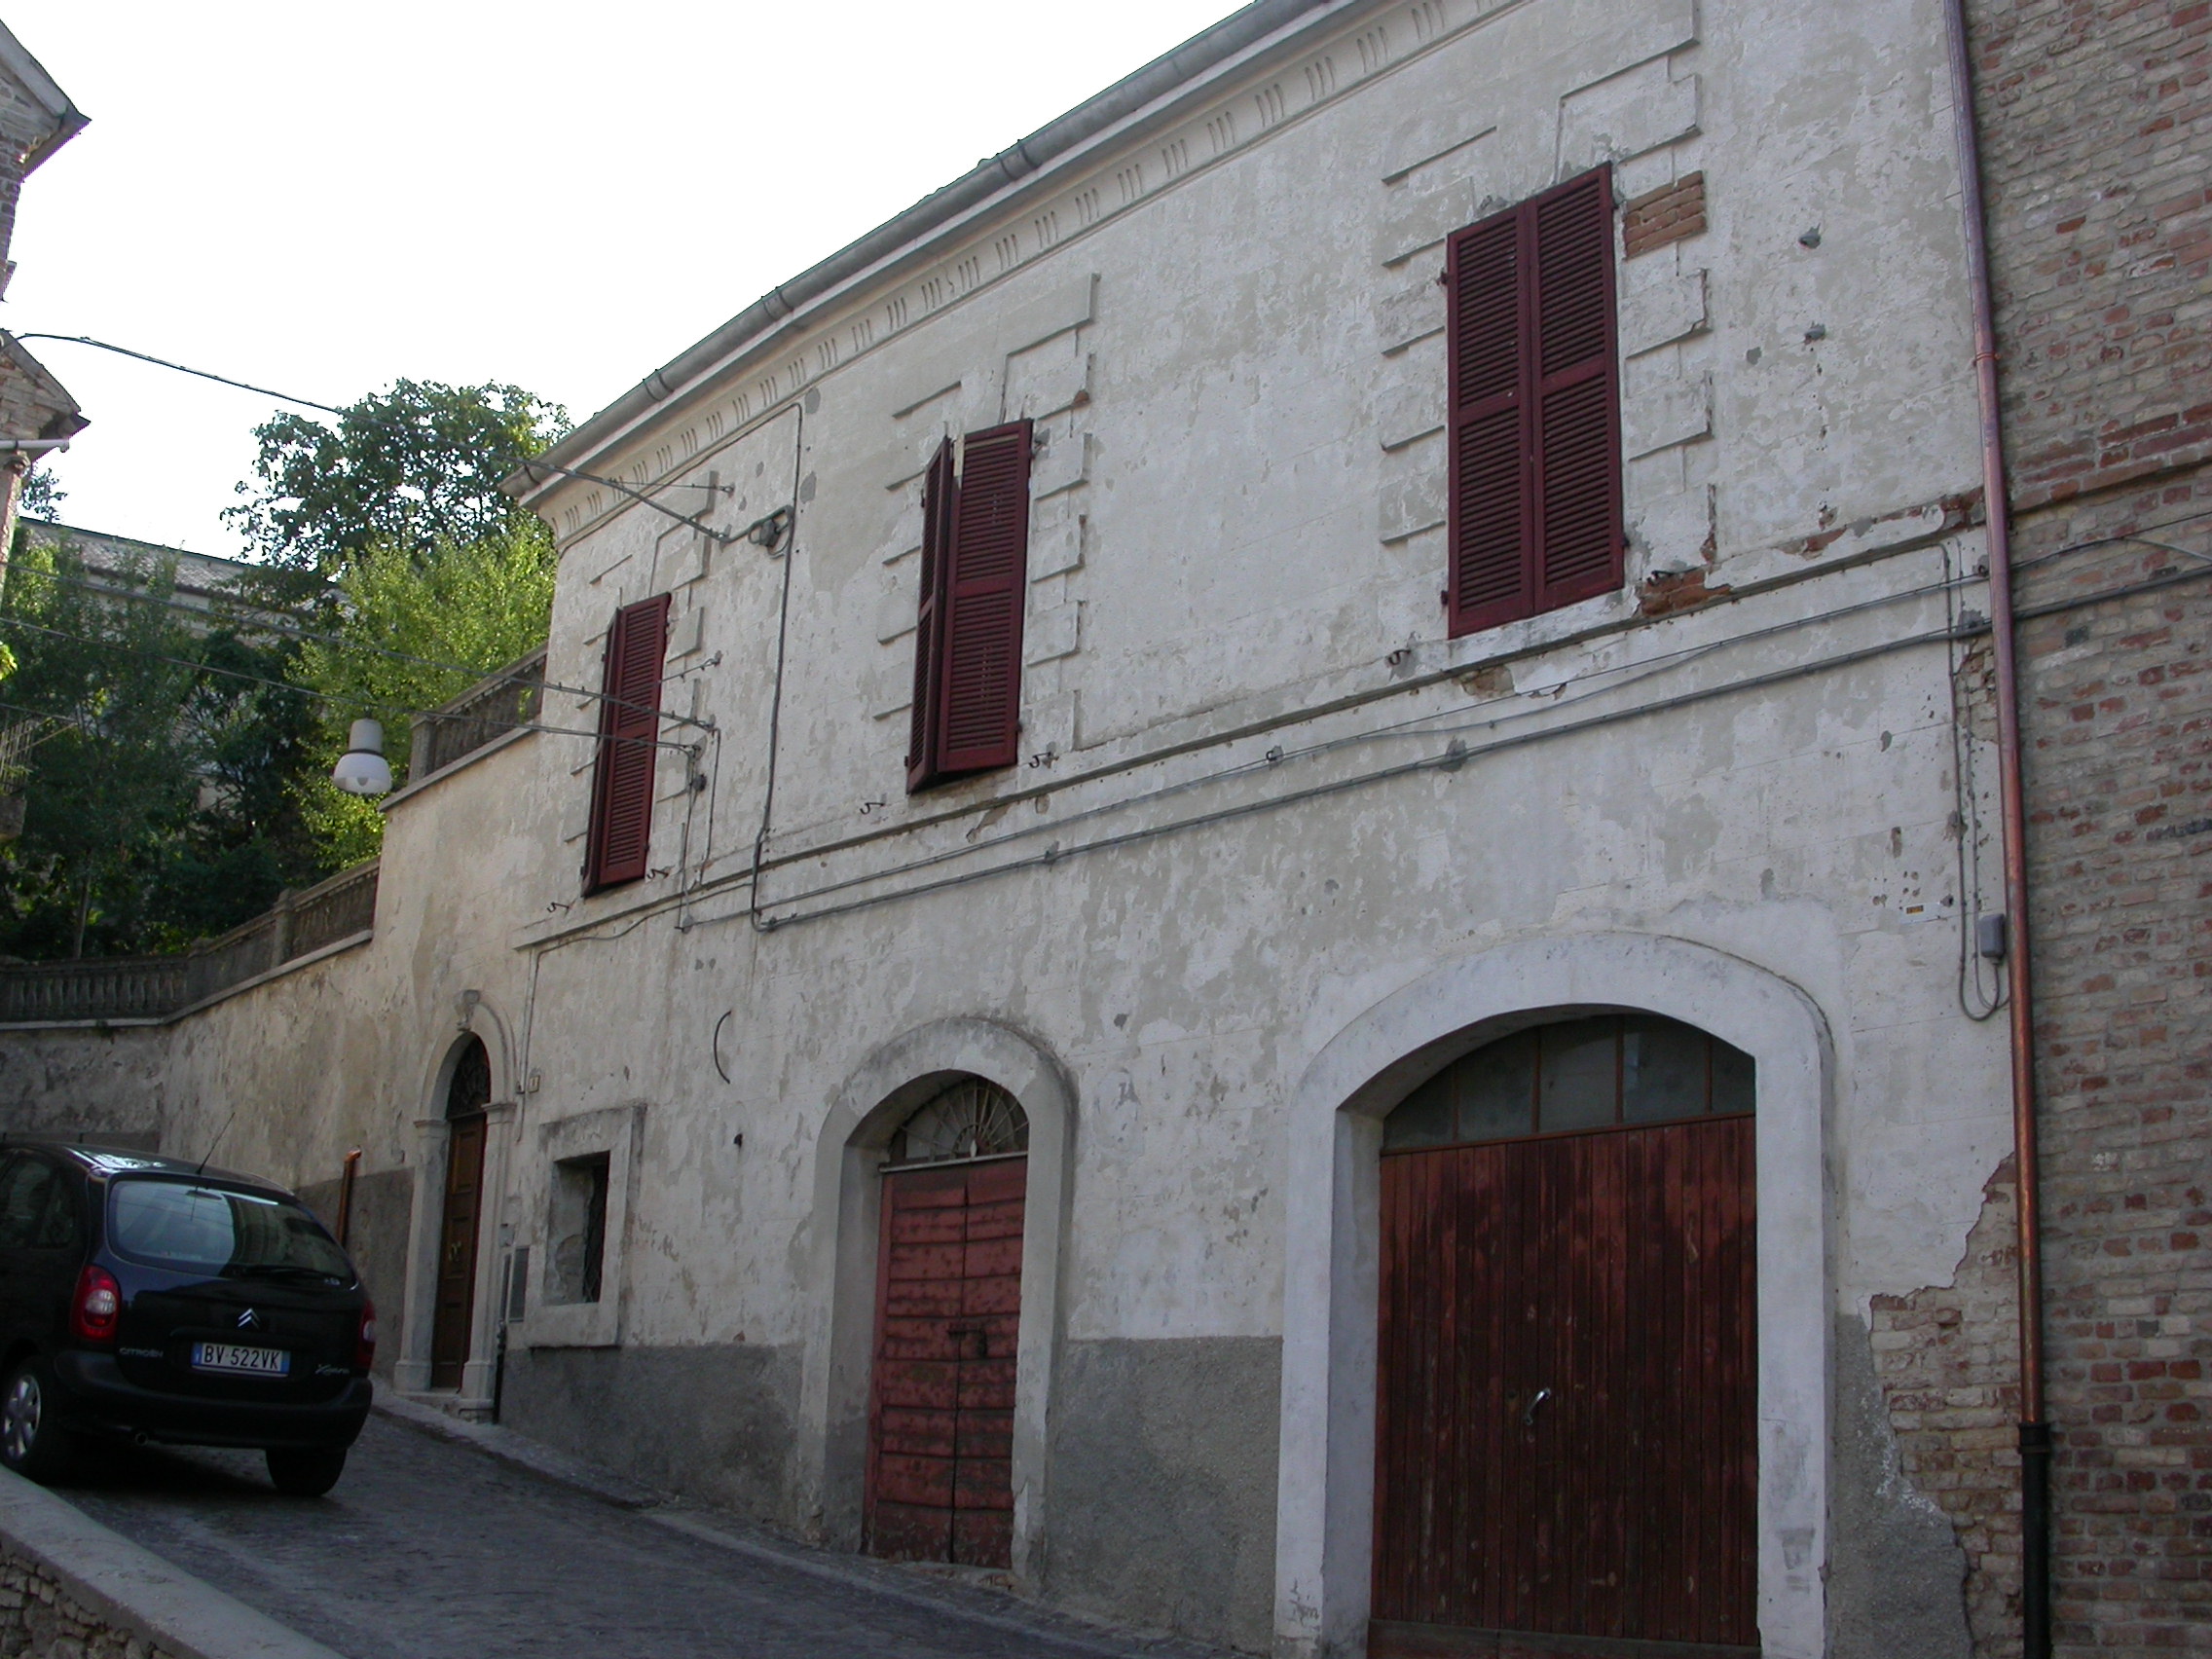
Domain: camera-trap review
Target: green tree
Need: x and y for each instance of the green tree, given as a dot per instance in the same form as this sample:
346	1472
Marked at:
476	606
414	467
115	778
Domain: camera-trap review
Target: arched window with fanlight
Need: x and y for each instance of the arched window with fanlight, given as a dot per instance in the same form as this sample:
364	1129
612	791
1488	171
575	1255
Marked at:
968	1119
1609	1071
949	1308
1565	1383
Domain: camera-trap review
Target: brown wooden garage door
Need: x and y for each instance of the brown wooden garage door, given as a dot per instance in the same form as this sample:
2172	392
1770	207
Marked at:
949	1305
1566	1410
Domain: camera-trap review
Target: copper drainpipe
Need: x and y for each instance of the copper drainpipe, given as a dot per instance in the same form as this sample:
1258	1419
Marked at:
2035	1428
346	1195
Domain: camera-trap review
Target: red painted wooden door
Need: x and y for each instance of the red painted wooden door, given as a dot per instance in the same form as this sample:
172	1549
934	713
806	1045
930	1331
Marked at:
949	1305
1567	1404
457	1252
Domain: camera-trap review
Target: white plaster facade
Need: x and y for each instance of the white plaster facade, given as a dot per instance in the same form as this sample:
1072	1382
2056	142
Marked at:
1278	844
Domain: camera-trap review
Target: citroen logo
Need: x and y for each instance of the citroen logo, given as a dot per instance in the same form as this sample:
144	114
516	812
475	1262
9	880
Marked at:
250	1320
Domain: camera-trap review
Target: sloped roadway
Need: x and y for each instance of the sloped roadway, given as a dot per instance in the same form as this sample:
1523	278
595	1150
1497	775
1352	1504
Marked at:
429	1549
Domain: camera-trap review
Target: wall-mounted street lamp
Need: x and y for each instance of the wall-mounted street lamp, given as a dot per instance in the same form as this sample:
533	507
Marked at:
363	770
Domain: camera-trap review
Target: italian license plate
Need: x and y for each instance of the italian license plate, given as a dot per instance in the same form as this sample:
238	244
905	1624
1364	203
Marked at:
249	1361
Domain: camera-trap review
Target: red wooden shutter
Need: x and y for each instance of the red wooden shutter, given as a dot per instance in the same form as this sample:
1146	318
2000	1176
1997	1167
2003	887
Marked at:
629	725
1535	503
939	495
1491	534
984	586
1577	425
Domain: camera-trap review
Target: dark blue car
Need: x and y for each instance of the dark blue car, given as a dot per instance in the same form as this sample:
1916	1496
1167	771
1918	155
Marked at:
146	1299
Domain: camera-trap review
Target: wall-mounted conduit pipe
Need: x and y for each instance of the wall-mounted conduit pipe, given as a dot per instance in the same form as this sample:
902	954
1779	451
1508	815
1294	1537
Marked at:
2035	1425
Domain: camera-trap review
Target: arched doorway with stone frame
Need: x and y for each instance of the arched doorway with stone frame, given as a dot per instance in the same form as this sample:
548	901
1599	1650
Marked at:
1326	1515
449	1335
947	1329
931	1117
1567	1430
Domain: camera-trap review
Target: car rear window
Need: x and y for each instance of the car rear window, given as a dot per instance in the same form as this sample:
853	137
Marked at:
193	1228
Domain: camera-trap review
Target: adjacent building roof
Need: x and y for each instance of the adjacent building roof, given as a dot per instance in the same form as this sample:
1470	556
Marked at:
64	119
33	404
201	578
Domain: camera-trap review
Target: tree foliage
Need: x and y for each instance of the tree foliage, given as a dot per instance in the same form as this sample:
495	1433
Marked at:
180	778
40	496
149	816
476	606
414	467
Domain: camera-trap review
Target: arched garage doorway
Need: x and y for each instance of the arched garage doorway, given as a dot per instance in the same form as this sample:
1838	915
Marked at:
1332	1230
1565	1403
947	1330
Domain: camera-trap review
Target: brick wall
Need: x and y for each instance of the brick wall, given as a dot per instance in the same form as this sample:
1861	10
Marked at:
2095	117
2118	718
2097	128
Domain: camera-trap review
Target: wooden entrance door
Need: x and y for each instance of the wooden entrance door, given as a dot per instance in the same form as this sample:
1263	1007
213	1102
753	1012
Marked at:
457	1251
1566	1407
949	1305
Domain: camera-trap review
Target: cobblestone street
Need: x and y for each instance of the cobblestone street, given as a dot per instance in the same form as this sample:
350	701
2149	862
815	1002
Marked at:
429	1549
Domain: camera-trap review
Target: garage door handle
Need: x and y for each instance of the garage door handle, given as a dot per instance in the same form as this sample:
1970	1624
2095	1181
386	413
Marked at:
1529	1416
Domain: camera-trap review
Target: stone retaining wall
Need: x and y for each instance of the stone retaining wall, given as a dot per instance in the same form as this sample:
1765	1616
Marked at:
72	1589
39	1617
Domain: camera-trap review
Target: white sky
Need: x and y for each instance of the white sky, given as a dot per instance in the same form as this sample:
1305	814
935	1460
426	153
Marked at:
321	198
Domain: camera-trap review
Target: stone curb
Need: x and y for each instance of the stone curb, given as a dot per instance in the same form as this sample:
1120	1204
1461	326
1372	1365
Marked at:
519	1451
134	1590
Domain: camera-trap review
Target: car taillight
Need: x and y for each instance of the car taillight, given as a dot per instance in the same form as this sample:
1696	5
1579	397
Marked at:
98	1306
365	1344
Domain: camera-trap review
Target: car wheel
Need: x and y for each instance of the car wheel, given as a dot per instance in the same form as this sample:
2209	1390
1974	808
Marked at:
308	1473
31	1442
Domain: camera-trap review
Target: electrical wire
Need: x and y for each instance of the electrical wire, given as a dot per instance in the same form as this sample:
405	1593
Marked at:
1459	670
526	463
341	642
1456	756
1279	757
776	697
334	701
1452	759
2128	536
1966	800
1641	669
204	373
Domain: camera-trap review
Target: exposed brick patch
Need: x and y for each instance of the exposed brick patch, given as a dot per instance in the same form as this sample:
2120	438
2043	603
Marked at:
1664	215
1948	1362
1666	592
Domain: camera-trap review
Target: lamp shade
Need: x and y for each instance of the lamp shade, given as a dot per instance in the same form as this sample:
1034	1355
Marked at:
362	769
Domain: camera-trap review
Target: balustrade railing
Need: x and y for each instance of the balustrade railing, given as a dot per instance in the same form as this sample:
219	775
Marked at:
154	987
496	705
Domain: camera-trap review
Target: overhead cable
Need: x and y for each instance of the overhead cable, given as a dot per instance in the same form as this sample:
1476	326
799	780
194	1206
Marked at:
341	642
204	373
369	704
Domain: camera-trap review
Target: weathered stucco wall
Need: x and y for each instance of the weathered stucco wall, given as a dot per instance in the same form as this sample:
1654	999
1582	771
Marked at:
1266	792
